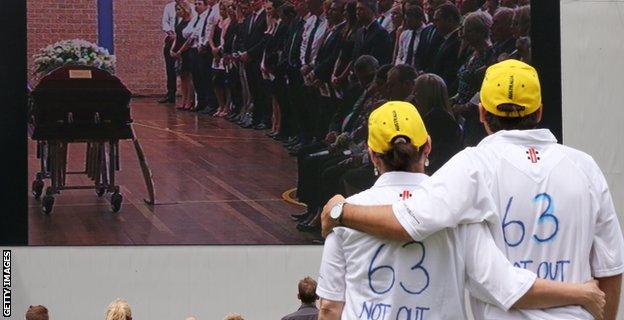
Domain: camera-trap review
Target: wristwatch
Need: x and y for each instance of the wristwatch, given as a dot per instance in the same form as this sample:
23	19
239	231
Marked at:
336	212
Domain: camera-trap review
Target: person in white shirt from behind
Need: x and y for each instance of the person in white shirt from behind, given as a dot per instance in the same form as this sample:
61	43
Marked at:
365	277
548	206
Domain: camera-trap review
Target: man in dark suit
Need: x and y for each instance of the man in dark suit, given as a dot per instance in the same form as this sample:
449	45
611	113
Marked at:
446	61
308	297
254	27
371	39
324	66
430	39
290	62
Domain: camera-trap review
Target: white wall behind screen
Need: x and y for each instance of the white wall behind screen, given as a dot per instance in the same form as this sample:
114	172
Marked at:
593	85
162	283
260	282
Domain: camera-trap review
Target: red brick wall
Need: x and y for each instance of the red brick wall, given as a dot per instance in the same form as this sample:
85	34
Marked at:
137	31
52	20
138	45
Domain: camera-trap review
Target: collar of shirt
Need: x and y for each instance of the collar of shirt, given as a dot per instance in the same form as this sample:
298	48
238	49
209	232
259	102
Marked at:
535	136
400	178
204	14
307	305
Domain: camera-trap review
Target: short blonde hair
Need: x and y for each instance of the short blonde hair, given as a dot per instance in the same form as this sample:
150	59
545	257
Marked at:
233	316
118	310
185	9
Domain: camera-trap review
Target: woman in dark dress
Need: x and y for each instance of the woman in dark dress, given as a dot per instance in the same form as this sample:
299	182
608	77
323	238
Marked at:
180	52
275	36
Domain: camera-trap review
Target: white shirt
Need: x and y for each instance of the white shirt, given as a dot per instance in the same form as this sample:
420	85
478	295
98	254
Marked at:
214	18
404	42
385	20
549	208
195	28
169	17
316	42
380	279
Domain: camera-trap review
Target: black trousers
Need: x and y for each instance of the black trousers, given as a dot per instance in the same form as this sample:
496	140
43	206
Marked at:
233	83
259	95
324	112
293	104
170	68
309	113
202	77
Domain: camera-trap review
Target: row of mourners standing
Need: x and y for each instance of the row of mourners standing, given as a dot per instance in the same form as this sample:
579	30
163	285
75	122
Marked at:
310	71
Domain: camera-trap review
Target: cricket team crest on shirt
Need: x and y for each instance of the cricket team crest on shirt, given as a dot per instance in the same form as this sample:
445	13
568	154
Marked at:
406	194
533	155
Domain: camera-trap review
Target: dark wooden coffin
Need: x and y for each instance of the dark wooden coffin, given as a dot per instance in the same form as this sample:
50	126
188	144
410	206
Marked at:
75	103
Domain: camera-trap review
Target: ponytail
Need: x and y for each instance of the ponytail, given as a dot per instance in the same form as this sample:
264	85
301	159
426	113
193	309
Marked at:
403	155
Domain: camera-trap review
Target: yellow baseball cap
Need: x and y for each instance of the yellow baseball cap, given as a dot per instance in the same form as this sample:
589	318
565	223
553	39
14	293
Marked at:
511	82
393	119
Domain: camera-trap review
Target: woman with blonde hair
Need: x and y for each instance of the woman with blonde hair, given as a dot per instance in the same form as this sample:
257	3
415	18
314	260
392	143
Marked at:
119	310
233	316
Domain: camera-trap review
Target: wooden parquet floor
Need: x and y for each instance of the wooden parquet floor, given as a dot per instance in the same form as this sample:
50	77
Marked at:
215	184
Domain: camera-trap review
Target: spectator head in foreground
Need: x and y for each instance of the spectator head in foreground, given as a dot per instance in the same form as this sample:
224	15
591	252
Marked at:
37	313
233	316
510	97
307	291
118	310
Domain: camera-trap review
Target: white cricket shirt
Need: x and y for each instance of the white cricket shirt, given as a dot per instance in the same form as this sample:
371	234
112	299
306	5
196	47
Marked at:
379	279
548	207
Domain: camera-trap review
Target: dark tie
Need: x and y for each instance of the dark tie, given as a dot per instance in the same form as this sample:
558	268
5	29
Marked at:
410	49
196	21
308	53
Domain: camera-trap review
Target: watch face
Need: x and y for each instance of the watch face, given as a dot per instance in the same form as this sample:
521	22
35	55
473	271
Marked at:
335	212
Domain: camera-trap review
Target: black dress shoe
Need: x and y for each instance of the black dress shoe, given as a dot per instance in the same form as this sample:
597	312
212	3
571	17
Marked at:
167	100
291	141
279	137
295	146
295	151
261	126
247	125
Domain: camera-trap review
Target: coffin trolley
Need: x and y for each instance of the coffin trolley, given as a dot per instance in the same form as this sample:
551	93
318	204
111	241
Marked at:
79	104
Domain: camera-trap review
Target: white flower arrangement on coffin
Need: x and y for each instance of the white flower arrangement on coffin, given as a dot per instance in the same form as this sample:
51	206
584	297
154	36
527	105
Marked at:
76	51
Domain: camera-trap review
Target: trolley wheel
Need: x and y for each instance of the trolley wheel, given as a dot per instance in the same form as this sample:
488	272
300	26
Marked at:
116	200
47	204
100	191
37	188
